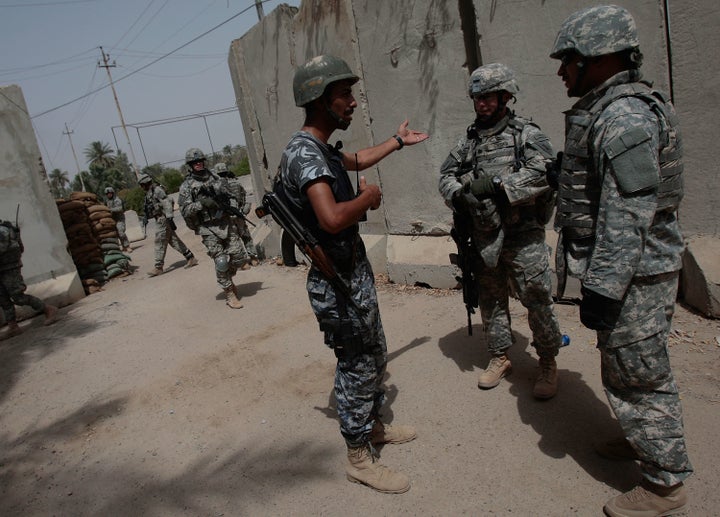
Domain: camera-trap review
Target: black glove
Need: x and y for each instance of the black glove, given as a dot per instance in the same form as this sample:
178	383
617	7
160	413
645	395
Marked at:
484	187
208	203
552	171
464	201
172	224
598	312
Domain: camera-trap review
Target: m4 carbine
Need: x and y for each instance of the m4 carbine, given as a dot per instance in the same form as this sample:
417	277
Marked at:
223	202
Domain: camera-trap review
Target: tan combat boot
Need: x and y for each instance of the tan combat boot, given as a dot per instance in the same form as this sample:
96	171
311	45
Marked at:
498	368
546	382
155	272
231	298
192	261
362	468
50	314
384	433
648	501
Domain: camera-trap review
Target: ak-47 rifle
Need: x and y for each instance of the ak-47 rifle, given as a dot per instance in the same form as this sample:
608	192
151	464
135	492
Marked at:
223	202
273	205
463	260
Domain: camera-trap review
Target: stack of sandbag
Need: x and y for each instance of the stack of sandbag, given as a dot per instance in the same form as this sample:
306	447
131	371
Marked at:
82	241
115	262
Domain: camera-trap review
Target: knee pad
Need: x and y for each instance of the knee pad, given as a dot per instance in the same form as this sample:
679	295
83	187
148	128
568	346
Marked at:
222	263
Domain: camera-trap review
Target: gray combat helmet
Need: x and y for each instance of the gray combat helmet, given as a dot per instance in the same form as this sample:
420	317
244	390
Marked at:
596	31
144	178
109	190
220	167
494	77
313	77
194	155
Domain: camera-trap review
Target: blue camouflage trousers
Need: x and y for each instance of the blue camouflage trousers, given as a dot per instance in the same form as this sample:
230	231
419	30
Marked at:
12	293
523	266
165	235
639	382
358	376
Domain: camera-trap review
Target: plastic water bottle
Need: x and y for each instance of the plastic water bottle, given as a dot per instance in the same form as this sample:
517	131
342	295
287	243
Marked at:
565	340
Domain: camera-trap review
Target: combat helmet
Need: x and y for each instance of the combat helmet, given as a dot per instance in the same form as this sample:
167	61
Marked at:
144	178
194	155
313	77
596	31
109	190
220	167
494	77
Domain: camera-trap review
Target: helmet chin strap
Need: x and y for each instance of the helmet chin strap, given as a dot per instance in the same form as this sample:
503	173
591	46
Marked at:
341	122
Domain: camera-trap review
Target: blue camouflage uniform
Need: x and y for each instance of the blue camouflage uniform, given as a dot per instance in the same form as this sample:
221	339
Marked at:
357	331
620	186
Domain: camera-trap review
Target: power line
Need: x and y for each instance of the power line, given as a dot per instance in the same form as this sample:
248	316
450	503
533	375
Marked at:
45	4
147	65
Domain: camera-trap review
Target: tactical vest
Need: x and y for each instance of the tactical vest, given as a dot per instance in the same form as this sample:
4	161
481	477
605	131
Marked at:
497	155
11	256
579	185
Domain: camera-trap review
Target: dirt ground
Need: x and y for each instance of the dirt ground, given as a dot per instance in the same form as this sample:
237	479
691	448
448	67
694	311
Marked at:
153	398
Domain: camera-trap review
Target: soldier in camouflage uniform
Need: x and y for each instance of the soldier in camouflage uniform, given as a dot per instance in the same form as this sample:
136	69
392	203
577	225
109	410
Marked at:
117	210
620	186
239	193
316	184
160	206
12	285
218	229
494	180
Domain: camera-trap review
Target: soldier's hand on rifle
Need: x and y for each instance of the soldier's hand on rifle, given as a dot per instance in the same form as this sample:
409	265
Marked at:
464	201
373	193
485	186
208	202
552	171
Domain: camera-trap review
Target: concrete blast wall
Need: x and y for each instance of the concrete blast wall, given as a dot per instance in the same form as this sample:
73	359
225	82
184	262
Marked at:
414	58
48	269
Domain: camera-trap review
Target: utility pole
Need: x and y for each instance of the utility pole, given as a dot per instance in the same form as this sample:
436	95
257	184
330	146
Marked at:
77	164
259	7
106	66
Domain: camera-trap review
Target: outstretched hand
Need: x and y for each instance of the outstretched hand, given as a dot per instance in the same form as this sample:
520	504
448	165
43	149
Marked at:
410	136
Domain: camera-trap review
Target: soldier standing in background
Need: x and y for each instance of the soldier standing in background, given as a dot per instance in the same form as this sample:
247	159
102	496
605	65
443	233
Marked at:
201	197
12	285
239	193
495	182
620	186
316	184
160	206
117	210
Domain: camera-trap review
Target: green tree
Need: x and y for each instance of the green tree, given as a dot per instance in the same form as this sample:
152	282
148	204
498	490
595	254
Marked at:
59	182
99	155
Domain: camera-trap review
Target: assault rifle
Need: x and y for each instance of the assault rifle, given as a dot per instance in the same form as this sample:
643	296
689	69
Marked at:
273	205
223	202
463	260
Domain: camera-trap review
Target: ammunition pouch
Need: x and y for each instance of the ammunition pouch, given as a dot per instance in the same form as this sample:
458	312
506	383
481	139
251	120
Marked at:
345	340
486	215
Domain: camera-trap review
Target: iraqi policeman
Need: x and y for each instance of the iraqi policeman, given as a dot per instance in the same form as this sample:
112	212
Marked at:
620	186
316	183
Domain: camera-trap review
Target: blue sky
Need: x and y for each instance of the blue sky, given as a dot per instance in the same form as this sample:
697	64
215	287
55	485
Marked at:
51	50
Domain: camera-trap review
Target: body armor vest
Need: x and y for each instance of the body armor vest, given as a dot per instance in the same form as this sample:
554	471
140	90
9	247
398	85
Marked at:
579	184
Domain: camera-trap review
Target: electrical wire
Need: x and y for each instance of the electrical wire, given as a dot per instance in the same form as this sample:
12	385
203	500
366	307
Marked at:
134	23
45	4
130	74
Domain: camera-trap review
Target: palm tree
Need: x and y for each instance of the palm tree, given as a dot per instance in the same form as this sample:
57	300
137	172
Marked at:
59	181
99	155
